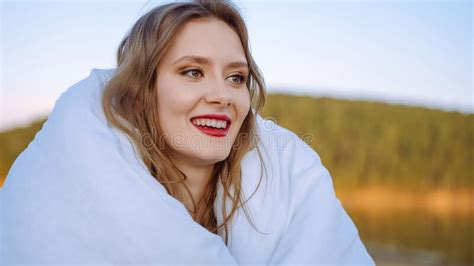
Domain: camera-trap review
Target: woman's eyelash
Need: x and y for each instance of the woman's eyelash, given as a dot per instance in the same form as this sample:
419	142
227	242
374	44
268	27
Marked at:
185	72
242	78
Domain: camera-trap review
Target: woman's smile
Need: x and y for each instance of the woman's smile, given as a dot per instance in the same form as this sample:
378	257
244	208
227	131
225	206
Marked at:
215	125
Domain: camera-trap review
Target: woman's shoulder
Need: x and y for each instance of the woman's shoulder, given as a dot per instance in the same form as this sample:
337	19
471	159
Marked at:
288	146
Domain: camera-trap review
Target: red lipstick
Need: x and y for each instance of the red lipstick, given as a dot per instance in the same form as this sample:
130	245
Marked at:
211	131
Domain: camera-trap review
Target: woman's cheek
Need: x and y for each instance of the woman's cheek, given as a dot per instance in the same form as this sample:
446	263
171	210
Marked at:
244	104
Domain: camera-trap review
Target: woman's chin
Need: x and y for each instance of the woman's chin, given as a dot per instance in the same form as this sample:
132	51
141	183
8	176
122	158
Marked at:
212	156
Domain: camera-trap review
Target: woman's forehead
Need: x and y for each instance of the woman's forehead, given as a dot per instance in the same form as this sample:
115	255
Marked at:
206	38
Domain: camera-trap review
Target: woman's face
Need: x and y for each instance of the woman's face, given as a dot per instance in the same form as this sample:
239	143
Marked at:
203	73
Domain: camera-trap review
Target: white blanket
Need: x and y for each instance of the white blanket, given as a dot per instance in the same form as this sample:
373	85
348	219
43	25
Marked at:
78	194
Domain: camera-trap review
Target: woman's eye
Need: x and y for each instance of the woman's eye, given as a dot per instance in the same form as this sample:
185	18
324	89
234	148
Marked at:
237	79
193	73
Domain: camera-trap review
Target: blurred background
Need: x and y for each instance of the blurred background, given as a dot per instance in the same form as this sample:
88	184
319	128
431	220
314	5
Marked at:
384	89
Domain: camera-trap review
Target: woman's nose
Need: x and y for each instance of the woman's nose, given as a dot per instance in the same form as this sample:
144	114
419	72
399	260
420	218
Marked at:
219	94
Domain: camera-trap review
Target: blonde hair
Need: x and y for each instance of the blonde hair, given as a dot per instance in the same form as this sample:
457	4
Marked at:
131	95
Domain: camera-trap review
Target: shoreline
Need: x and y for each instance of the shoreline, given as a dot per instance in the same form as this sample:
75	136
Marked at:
383	198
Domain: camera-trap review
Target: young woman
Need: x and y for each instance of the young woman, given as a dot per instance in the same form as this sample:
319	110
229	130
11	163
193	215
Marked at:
185	74
166	160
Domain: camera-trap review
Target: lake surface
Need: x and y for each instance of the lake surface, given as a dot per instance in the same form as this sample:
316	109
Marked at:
416	236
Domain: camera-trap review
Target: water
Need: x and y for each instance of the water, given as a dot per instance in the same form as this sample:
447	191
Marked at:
416	236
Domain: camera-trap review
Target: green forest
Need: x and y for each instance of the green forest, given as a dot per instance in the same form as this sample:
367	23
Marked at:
360	142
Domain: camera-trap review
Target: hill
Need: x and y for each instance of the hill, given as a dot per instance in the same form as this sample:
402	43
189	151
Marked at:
373	143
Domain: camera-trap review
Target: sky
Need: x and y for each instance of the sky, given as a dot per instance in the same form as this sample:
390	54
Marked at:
413	52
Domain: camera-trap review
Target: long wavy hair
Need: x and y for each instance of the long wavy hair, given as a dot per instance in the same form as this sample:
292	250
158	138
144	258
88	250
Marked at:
130	104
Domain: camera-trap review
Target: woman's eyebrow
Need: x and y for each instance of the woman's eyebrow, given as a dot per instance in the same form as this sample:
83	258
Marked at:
206	61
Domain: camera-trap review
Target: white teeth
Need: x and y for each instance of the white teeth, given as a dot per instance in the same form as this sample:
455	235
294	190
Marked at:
210	123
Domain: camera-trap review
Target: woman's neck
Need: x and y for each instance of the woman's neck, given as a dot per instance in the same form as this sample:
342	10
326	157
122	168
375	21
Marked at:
198	176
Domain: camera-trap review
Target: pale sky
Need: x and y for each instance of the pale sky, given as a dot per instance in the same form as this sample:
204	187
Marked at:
410	52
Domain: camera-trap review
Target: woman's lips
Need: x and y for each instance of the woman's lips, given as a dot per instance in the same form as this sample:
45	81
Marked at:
214	132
